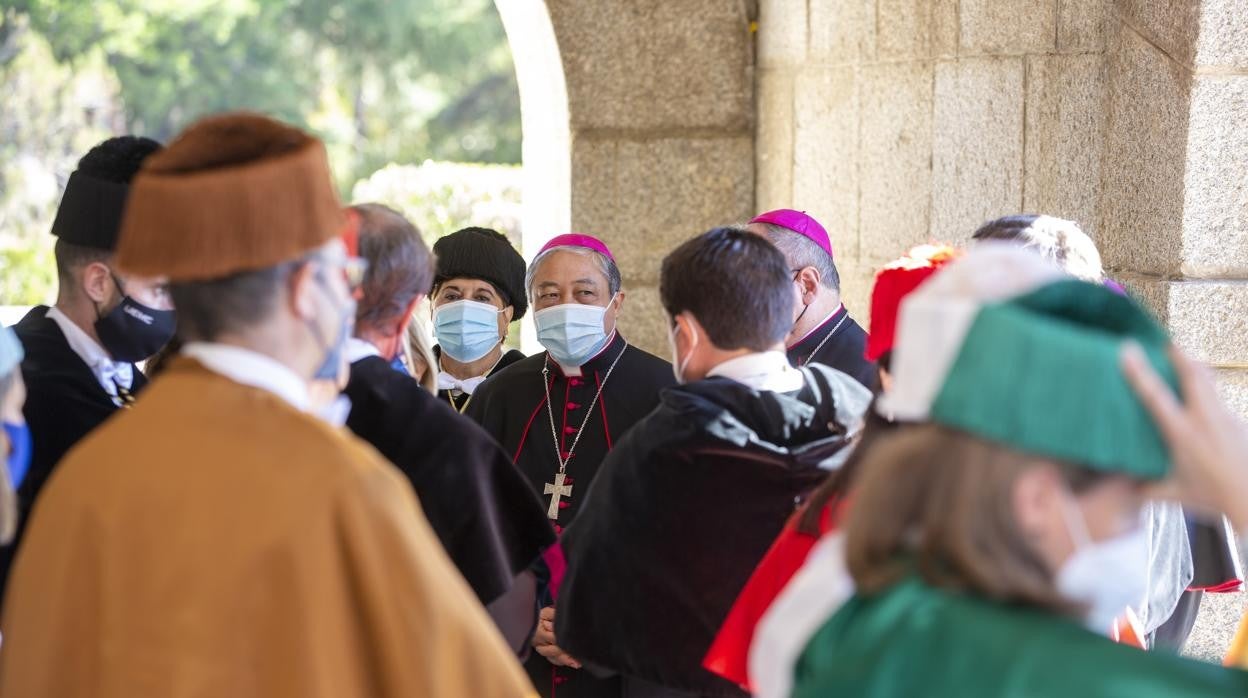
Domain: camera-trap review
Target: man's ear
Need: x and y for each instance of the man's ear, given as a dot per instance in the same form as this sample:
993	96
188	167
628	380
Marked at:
302	287
97	282
808	278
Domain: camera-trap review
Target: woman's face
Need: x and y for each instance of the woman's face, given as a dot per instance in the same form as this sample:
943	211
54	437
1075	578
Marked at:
1047	511
464	289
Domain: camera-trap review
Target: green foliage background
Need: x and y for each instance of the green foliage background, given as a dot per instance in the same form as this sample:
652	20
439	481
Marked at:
380	81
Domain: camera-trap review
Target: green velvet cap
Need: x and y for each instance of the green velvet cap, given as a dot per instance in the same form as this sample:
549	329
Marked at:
1042	373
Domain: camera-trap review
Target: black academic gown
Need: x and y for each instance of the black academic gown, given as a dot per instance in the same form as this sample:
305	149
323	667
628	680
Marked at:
845	350
511	406
682	511
479	505
64	402
510	357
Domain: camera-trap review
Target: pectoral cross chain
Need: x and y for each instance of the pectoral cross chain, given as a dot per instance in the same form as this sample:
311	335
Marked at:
556	490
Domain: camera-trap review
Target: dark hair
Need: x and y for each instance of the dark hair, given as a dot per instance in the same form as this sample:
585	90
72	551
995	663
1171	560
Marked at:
117	159
400	266
239	301
800	252
71	257
735	283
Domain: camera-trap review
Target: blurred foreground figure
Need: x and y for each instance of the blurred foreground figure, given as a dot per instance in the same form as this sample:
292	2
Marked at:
15	437
217	539
992	546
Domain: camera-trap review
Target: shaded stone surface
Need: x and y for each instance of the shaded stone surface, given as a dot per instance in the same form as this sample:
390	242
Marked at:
773	145
894	158
977	158
1064	127
1143	156
909	29
1208	319
1215	626
642	320
1081	25
1215	210
640	64
1007	27
646	197
1173	26
825	153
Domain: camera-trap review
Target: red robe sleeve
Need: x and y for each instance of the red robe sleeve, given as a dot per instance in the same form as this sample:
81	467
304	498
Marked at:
730	652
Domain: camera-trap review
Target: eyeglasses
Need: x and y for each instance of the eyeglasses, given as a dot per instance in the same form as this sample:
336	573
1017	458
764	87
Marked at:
353	270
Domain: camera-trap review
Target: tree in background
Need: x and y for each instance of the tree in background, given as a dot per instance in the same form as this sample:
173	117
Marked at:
380	81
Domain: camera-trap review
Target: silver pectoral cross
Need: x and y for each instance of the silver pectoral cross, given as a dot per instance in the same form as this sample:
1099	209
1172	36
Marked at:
556	491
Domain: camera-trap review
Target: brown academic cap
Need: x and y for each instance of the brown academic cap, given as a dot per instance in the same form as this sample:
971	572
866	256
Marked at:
235	192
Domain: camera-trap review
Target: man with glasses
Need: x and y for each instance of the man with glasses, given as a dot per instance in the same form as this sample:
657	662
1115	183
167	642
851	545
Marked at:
218	539
822	332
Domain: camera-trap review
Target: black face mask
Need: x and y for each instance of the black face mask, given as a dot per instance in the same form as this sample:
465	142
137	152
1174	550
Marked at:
132	331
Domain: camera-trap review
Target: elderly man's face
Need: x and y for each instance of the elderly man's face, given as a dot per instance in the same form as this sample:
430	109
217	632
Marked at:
566	277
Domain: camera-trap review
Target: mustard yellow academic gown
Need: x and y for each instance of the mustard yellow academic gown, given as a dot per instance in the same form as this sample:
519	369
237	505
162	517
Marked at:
215	541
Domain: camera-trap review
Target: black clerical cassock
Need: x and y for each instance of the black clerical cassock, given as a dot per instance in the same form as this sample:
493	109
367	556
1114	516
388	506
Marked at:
591	413
838	342
479	505
683	510
64	403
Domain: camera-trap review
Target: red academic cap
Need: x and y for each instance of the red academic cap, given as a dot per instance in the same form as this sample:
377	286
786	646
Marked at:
800	223
892	284
578	240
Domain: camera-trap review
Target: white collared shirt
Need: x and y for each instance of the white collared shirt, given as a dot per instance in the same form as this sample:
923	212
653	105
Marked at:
357	349
768	370
100	362
252	368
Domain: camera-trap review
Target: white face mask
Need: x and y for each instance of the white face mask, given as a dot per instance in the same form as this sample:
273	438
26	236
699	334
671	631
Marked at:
1107	576
679	365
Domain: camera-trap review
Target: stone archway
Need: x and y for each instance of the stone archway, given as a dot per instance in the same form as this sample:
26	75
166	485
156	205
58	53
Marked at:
638	120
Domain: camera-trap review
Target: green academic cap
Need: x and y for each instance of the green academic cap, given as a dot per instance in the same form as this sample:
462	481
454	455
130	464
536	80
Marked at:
1039	371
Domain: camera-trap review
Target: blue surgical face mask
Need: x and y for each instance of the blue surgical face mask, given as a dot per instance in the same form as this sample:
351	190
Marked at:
18	460
466	330
572	333
337	346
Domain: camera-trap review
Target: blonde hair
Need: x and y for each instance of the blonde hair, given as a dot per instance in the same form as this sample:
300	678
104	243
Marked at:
418	353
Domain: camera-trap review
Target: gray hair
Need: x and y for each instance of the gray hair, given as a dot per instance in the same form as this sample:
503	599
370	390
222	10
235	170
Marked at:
801	252
1056	239
605	265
